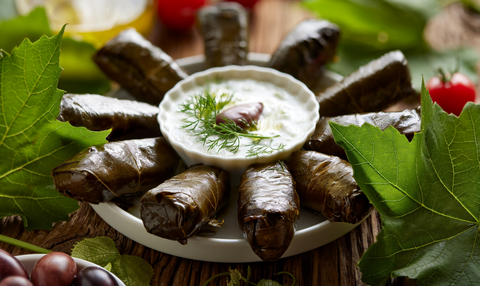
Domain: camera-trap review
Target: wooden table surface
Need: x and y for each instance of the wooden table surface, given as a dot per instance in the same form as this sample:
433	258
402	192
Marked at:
332	264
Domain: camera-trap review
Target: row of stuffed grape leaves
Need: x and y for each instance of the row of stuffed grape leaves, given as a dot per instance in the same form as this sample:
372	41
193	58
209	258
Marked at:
177	206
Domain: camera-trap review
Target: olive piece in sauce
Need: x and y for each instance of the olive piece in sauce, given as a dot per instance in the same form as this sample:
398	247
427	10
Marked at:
241	114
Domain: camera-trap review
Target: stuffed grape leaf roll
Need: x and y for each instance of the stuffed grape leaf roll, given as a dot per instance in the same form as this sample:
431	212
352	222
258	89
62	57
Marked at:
268	209
306	49
326	185
179	207
373	87
116	169
406	122
128	119
144	70
225	32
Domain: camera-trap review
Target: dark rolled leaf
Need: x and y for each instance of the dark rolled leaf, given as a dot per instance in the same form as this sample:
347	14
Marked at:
406	122
128	119
373	87
306	49
141	68
268	209
325	184
116	169
179	207
225	32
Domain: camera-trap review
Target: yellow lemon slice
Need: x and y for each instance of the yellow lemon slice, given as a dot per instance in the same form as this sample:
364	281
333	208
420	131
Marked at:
94	21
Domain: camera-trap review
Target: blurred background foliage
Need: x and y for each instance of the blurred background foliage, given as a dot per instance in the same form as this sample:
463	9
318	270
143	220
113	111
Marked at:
80	75
90	24
370	28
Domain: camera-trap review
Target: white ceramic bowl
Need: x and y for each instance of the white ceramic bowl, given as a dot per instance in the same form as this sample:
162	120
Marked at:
29	260
236	165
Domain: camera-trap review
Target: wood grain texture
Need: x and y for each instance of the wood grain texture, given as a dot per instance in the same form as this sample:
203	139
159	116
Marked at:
333	264
269	21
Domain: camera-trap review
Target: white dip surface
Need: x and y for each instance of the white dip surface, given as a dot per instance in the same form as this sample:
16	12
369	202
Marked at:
283	115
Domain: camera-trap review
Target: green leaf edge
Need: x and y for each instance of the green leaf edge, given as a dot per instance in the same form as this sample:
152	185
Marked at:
428	107
54	126
97	245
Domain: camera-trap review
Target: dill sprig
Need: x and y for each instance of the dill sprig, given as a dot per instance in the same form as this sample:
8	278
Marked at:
257	149
202	111
283	169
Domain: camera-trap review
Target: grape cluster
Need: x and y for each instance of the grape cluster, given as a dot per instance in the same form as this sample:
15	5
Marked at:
53	269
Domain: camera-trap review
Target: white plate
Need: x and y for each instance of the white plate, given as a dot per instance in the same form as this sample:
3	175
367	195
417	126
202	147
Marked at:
224	244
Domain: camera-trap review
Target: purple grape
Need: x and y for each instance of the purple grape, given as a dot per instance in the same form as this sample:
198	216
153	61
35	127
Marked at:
10	266
94	276
54	269
16	281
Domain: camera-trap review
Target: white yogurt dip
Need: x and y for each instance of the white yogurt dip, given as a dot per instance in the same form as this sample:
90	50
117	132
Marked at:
283	116
290	112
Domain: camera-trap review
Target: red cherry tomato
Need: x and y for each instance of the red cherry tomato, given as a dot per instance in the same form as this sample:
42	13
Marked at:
451	94
178	14
245	3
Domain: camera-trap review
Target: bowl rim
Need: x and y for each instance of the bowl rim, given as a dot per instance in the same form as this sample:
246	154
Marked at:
187	153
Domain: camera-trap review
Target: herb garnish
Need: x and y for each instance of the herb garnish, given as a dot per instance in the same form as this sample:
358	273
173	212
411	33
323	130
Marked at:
203	110
256	149
236	278
283	169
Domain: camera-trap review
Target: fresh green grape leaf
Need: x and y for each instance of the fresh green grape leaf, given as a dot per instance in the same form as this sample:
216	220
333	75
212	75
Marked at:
235	277
108	267
98	250
32	141
133	270
427	192
268	282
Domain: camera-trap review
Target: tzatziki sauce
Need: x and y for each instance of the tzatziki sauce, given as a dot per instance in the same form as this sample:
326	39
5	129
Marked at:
283	116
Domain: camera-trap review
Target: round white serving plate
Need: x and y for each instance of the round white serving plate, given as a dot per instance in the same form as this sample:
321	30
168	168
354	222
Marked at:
225	244
29	260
